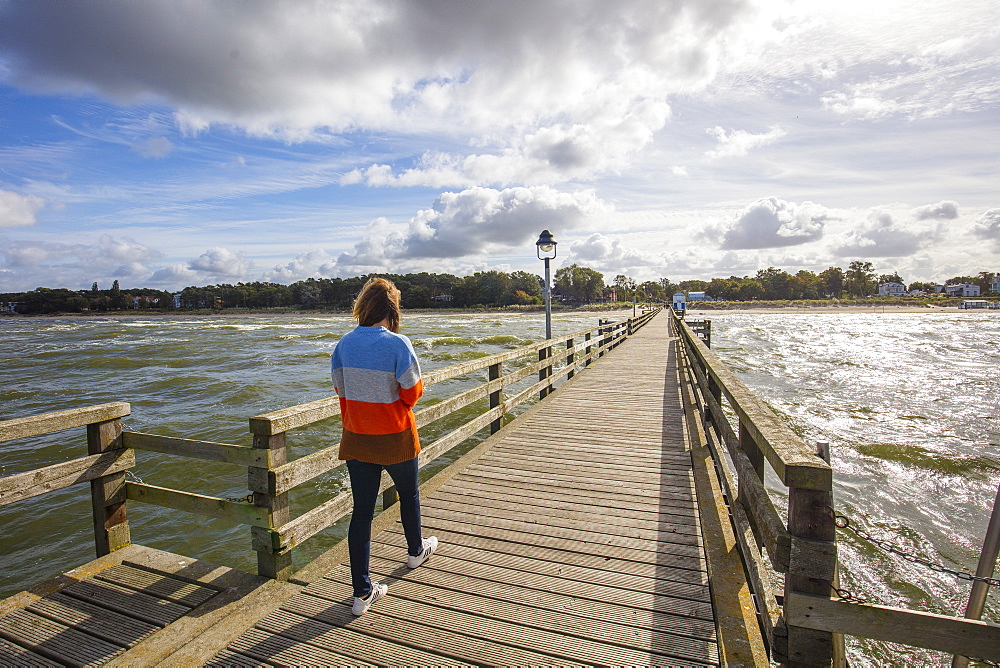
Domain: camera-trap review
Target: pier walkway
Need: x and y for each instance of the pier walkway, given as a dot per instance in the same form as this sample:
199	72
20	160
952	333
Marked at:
572	538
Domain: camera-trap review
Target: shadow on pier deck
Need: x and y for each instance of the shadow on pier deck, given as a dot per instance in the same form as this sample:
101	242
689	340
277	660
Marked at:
572	536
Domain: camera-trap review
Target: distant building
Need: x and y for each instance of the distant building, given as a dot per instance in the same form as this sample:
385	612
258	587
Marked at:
962	290
679	301
11	307
443	298
975	303
145	301
892	289
697	297
995	284
177	299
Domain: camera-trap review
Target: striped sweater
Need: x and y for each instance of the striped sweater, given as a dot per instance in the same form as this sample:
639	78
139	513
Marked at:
377	376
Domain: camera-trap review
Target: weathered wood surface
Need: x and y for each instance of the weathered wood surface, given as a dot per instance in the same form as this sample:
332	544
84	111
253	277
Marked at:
185	447
954	635
25	485
206	506
134	607
572	539
36	425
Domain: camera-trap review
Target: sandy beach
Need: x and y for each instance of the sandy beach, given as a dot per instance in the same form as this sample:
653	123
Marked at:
616	314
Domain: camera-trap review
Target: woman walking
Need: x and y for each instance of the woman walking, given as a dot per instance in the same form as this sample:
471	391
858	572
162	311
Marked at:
377	377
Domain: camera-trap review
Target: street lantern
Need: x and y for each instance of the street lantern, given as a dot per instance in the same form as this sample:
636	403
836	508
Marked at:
546	250
546	246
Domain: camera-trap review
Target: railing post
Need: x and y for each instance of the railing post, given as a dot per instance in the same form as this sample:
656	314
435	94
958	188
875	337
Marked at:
570	358
495	397
715	391
107	493
545	372
586	337
272	560
811	518
750	447
389	497
708	333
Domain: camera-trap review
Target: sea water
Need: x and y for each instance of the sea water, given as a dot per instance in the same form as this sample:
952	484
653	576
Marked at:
910	403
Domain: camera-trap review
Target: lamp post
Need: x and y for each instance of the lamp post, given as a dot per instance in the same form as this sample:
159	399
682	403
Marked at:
546	249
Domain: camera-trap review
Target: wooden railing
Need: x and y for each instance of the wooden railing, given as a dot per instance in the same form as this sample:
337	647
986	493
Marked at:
270	475
104	467
804	624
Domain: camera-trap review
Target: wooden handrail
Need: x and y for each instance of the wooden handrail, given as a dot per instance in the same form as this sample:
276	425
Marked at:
36	425
20	486
805	549
954	635
204	450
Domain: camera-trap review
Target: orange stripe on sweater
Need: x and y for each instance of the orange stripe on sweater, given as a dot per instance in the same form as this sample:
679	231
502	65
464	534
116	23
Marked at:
363	417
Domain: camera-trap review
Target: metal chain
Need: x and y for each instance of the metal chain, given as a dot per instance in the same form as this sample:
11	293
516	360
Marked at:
848	596
844	523
235	499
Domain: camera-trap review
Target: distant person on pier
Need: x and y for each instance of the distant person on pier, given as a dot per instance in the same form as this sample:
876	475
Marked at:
377	376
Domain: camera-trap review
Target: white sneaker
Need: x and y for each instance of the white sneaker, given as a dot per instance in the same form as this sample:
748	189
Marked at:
430	544
362	604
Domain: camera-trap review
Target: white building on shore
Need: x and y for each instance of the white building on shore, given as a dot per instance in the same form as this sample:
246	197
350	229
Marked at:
962	290
892	289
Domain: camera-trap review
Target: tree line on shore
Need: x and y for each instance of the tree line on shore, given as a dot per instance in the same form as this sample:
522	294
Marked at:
573	284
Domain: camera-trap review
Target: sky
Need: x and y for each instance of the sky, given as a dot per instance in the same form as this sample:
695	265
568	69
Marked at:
167	144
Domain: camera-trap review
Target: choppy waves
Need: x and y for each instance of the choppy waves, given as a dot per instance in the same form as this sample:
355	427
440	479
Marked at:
910	405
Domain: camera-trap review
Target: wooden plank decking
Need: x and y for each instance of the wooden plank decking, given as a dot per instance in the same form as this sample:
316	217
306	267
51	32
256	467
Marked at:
573	539
136	597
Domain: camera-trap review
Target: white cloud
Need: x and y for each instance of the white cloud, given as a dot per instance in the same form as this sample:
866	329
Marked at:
292	68
859	104
945	210
221	263
988	227
155	147
609	254
736	143
125	250
769	223
18	210
881	235
314	263
551	154
57	264
471	222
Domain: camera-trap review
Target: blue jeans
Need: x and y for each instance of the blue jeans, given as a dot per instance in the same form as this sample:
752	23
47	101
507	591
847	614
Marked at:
365	479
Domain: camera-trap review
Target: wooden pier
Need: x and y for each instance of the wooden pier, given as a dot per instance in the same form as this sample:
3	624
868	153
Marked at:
573	538
602	526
